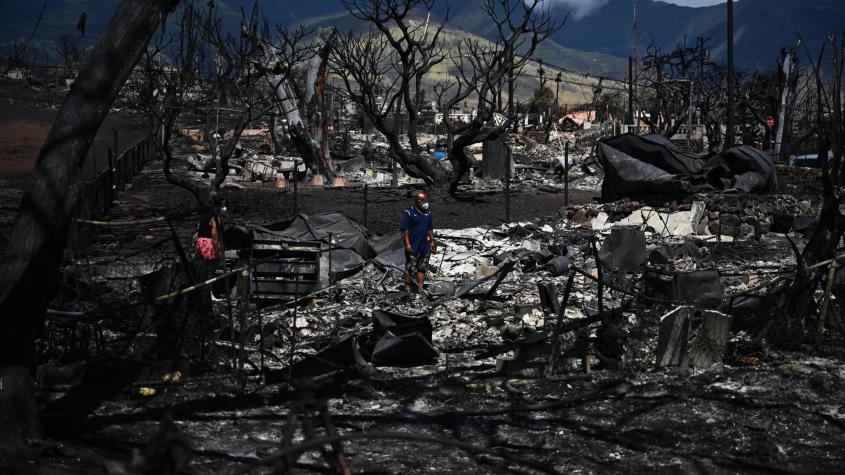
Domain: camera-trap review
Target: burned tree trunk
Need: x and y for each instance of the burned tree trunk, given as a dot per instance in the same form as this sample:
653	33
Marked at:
31	261
315	102
458	157
222	156
299	134
417	166
310	135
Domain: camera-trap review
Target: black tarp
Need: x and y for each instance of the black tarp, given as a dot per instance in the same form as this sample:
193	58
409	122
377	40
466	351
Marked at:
745	168
346	233
353	246
399	340
650	165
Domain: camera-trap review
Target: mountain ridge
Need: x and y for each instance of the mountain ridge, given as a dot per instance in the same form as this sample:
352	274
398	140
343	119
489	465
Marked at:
598	43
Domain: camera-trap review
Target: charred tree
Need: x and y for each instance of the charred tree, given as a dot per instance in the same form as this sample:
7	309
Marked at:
417	47
367	66
177	80
791	329
667	77
31	260
482	70
237	79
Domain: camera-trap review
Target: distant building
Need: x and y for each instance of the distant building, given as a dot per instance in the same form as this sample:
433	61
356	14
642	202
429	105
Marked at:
18	73
464	116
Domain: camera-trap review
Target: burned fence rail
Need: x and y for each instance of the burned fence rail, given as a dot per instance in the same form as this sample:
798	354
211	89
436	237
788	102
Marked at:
96	196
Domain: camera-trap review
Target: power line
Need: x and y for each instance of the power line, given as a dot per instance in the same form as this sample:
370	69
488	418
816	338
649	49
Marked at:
35	28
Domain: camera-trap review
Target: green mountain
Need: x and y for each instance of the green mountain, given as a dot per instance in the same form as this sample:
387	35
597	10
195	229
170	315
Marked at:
761	27
596	41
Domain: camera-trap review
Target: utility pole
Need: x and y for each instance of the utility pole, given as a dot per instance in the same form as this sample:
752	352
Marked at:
729	137
634	40
631	90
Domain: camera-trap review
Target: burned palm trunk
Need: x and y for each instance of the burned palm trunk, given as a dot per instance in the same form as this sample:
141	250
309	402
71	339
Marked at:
31	261
315	100
310	135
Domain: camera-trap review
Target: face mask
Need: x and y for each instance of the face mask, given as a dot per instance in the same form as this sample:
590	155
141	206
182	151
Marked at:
424	206
222	211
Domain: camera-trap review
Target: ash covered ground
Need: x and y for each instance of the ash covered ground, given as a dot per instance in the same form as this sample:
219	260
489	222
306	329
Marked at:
513	386
504	393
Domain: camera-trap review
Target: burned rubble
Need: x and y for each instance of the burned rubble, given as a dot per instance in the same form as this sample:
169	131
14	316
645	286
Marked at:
603	326
646	280
608	335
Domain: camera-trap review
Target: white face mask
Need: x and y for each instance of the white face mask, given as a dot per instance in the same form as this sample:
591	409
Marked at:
222	211
424	206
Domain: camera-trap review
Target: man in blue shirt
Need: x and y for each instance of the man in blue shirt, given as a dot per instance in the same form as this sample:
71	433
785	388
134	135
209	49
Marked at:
418	237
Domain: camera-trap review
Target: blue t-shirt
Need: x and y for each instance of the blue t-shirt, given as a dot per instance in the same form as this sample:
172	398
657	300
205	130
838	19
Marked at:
418	224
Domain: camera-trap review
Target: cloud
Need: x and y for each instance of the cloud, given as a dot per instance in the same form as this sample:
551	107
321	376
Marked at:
579	8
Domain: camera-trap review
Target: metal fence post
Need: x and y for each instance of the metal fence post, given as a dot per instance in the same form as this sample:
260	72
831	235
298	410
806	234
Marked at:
366	202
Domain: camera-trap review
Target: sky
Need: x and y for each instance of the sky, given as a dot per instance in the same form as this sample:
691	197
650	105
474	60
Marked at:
695	3
583	8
